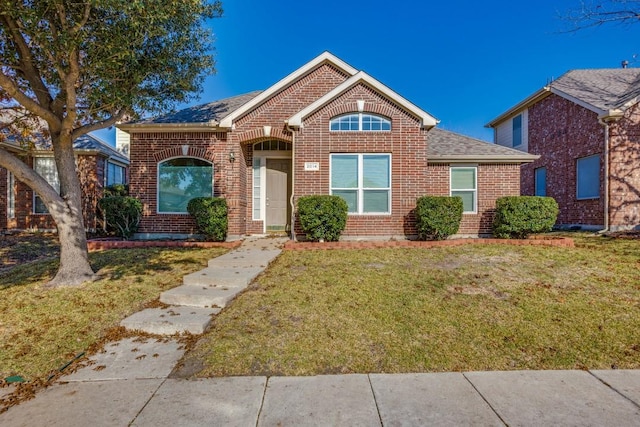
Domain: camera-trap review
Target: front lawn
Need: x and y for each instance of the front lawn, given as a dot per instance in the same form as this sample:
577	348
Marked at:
41	329
475	307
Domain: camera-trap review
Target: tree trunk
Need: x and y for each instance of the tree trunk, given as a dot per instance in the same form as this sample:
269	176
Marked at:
74	256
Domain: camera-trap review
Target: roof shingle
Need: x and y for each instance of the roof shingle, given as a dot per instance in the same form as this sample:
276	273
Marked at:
447	145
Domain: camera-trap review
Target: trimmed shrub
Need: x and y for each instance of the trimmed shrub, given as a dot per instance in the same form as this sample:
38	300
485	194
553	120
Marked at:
210	214
116	190
519	216
322	218
121	214
438	217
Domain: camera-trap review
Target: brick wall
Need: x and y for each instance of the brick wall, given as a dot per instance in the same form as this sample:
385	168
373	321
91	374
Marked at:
562	132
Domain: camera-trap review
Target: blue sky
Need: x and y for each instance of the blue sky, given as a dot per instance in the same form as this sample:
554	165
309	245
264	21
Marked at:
463	61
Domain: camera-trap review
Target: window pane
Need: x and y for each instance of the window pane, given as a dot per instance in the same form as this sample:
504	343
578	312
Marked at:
463	178
588	180
181	180
344	171
376	171
11	196
46	168
376	201
257	201
517	130
541	182
351	197
468	199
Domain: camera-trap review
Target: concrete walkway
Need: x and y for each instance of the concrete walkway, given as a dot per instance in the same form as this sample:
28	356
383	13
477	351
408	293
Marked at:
128	382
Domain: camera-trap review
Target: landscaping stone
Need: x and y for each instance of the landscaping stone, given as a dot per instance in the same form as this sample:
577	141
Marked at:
232	401
172	320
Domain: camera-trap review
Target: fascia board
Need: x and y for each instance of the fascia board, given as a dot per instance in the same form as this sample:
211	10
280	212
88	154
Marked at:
427	119
526	103
325	57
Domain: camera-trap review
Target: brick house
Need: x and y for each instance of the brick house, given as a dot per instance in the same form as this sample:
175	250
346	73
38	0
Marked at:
326	128
98	163
585	126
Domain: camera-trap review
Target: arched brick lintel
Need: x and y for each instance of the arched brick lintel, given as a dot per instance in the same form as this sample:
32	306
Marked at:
198	152
257	135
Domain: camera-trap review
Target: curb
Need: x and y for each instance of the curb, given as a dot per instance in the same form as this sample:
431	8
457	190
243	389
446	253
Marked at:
565	242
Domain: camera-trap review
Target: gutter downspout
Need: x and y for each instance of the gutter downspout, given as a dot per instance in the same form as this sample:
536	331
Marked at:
293	182
606	175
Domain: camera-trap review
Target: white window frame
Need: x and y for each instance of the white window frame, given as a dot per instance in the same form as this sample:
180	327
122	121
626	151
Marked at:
361	189
474	190
11	196
158	182
35	195
360	117
578	161
536	179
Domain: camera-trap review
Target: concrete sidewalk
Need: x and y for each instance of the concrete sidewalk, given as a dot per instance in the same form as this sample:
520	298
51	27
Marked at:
516	398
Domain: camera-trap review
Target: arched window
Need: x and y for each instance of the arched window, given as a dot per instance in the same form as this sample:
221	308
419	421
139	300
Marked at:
355	122
182	179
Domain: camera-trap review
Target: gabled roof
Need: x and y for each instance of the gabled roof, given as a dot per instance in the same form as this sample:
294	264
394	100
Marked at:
445	147
426	119
607	91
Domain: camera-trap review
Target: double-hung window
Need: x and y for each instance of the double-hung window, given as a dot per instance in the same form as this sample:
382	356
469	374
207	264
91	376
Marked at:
464	184
46	168
364	181
588	177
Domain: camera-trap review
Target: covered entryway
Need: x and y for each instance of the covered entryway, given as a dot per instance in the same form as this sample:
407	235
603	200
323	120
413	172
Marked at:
272	185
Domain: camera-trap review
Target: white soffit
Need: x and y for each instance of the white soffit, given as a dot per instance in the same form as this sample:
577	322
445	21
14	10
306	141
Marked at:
427	119
325	57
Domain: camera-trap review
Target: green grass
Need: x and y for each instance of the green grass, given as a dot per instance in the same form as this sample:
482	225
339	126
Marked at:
493	307
41	329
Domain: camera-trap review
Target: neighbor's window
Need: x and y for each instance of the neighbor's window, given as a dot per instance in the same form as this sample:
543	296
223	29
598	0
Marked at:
363	180
464	184
517	130
11	196
588	177
540	178
115	174
360	122
46	168
182	179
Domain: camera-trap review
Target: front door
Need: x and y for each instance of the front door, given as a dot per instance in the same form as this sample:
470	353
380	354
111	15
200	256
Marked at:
278	192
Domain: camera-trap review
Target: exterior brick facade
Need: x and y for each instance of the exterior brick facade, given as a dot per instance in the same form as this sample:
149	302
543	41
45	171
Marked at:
313	142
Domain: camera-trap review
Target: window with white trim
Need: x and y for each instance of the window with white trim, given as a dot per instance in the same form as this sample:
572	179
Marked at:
588	177
540	181
517	130
182	179
257	188
464	184
11	196
46	168
364	181
115	174
356	122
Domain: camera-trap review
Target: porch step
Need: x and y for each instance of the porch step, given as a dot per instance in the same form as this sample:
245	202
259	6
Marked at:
201	296
240	259
172	320
223	276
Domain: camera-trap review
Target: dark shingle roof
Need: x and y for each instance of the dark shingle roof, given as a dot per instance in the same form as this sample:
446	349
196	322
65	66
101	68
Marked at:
605	89
211	112
447	145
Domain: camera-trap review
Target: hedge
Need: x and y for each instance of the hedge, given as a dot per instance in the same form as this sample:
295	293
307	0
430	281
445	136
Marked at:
121	214
322	218
210	214
519	216
438	217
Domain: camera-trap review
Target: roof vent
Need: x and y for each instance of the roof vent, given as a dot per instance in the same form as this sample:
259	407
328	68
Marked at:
624	63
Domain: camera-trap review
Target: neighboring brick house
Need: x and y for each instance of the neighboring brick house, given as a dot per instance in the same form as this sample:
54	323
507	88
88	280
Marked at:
586	128
98	163
327	128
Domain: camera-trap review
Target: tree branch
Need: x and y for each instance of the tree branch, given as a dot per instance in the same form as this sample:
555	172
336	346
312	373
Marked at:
98	125
12	89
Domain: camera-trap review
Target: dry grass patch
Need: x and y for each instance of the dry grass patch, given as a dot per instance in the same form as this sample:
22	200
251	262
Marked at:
41	329
426	310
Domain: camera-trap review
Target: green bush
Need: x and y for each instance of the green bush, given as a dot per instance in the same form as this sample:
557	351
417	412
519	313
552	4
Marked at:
116	190
322	218
210	214
519	216
121	214
438	217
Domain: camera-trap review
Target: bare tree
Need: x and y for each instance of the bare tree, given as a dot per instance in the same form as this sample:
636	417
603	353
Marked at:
596	13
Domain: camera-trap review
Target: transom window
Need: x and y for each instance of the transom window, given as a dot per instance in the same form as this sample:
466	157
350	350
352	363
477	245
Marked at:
272	145
464	184
363	180
355	122
182	179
